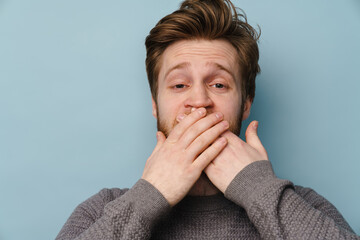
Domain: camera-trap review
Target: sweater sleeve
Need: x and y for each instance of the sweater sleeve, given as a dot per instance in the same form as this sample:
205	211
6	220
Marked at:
129	216
279	212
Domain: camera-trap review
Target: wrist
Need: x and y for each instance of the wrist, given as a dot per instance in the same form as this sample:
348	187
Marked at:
252	182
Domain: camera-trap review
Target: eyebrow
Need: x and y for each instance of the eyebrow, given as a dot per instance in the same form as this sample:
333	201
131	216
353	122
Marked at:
223	68
187	64
178	66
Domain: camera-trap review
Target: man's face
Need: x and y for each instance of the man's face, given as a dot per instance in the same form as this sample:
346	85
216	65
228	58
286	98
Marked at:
199	73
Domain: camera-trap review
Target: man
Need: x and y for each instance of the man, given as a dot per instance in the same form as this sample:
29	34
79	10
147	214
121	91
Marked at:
202	181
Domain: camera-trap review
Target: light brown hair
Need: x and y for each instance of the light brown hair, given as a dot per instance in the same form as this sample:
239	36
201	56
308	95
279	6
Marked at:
209	20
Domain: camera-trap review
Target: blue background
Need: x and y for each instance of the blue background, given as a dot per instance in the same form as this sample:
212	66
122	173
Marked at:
75	110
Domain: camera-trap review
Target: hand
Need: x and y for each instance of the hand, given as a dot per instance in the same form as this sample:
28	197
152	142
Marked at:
177	161
235	157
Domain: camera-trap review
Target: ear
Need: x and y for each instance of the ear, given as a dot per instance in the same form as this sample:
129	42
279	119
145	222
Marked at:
154	112
247	107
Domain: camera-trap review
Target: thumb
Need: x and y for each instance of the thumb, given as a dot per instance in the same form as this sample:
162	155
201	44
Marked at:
251	136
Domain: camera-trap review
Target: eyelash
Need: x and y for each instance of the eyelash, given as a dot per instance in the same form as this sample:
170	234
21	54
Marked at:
177	86
182	86
222	85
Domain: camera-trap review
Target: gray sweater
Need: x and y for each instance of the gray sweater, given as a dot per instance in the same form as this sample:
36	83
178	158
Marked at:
256	205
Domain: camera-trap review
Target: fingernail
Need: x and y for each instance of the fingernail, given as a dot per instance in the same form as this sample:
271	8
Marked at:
225	124
222	140
180	117
202	111
255	125
193	109
218	115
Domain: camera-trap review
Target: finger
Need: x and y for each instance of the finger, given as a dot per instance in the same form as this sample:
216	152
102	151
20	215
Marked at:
206	138
199	127
160	140
180	128
182	116
251	136
203	160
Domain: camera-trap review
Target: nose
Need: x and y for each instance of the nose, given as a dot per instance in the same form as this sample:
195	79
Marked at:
198	97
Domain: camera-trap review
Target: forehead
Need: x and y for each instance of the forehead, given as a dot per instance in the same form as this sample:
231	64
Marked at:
200	52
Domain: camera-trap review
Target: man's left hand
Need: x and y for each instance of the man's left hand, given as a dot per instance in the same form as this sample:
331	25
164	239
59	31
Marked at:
235	157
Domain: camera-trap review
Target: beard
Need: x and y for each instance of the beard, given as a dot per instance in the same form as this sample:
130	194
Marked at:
203	186
234	124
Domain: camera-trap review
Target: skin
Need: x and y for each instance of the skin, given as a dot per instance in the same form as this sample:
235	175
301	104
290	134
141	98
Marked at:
198	109
187	79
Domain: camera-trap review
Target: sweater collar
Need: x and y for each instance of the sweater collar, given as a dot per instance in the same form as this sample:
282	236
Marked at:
203	203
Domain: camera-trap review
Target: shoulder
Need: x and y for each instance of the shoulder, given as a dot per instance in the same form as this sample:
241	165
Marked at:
312	197
105	195
320	203
110	194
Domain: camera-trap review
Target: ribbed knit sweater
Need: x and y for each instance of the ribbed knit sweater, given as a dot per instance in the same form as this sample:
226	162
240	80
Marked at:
256	205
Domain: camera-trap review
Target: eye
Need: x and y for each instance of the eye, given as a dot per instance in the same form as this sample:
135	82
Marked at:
218	85
179	86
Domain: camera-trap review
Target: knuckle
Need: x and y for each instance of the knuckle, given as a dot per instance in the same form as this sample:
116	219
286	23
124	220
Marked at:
172	136
196	128
205	155
218	146
220	128
241	143
183	152
217	131
201	141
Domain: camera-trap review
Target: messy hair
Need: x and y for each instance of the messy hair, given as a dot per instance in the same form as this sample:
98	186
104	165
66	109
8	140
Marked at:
208	20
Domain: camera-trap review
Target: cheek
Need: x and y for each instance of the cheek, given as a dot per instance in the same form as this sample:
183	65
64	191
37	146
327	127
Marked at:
170	102
168	108
229	107
231	114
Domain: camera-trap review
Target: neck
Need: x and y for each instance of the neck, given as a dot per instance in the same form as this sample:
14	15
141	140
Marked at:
203	187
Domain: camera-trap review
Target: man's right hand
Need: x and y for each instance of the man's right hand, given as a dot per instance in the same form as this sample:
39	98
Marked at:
177	161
